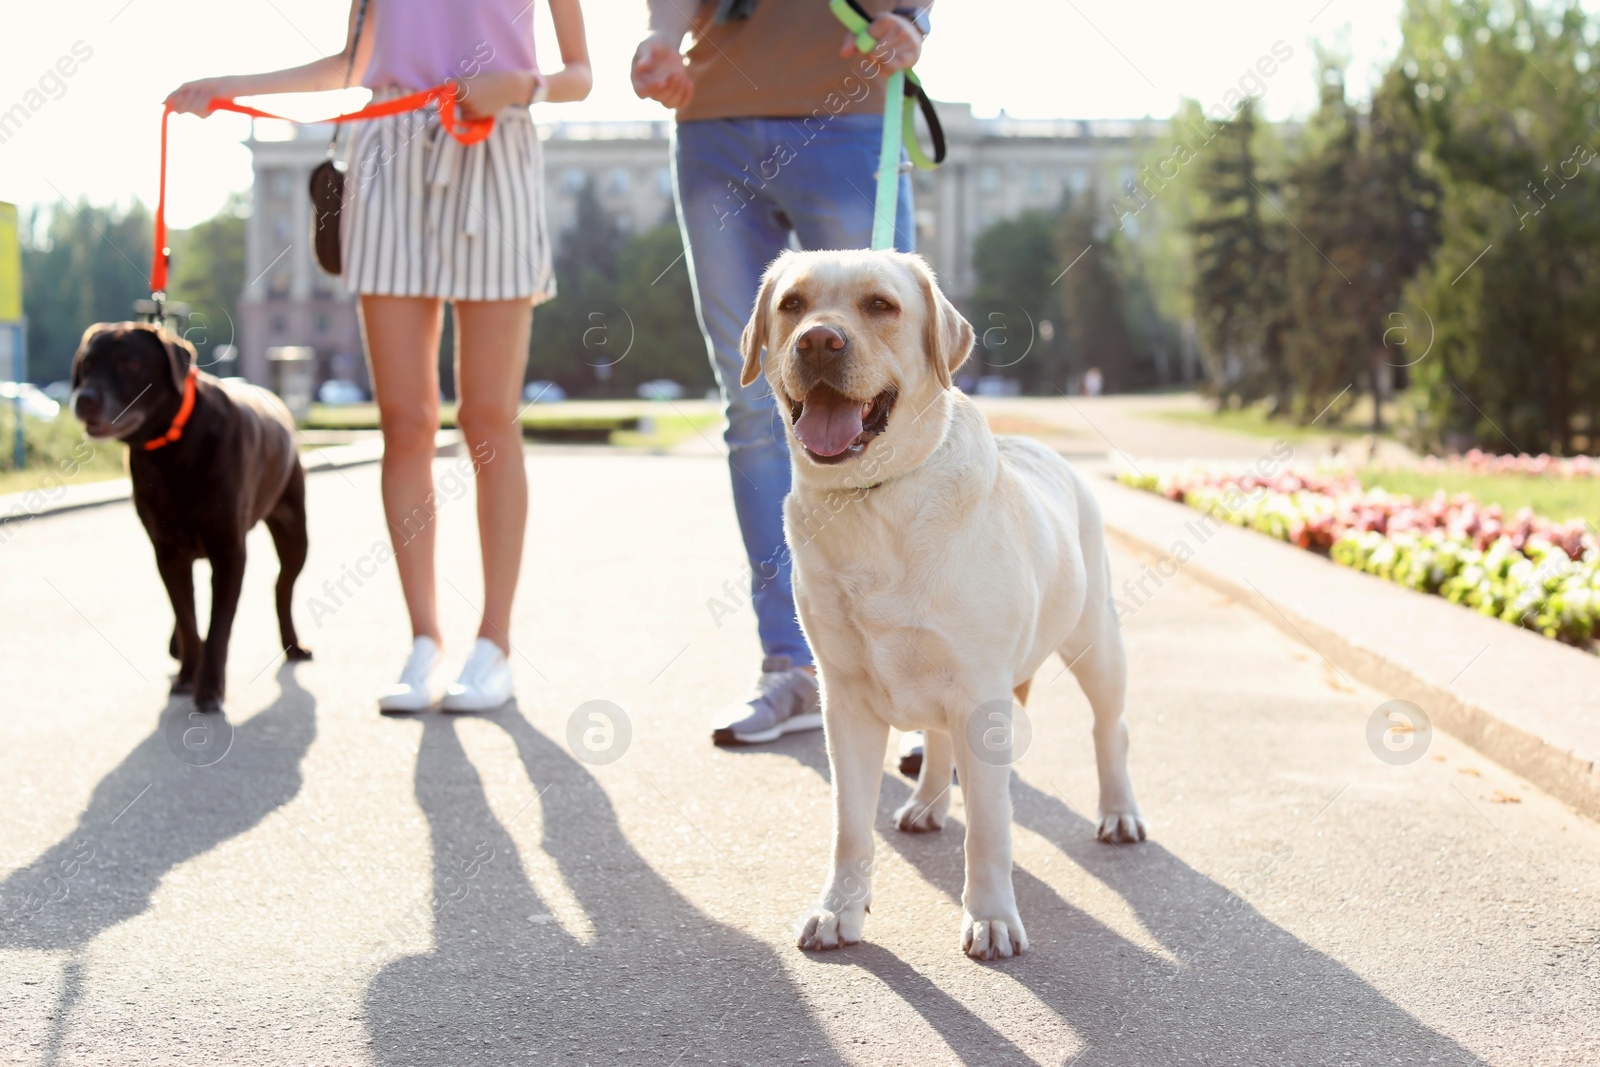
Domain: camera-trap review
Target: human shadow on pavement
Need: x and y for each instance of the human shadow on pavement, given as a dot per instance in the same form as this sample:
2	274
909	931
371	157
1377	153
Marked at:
649	979
194	783
1243	989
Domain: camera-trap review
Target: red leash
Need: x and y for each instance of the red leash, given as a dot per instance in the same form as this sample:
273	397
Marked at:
465	130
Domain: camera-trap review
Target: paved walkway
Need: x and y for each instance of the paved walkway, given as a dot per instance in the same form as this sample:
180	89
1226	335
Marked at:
342	888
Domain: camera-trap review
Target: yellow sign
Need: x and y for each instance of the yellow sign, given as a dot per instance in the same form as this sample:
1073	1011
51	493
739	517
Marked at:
10	266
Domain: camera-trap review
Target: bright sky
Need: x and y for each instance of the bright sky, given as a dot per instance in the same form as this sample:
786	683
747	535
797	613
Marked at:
96	135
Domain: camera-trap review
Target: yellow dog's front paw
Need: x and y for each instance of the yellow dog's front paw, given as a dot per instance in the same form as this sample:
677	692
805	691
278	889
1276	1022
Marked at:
993	939
1122	828
824	929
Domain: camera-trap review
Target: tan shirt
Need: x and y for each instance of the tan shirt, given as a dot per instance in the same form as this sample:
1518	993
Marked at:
781	62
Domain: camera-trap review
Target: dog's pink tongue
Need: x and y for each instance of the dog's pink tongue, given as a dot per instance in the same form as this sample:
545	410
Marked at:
829	422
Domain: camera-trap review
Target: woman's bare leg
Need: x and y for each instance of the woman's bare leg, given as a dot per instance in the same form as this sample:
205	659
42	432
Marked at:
491	358
402	335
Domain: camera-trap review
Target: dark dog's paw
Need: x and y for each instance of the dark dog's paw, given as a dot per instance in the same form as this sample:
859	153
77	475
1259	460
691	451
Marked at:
211	703
296	652
182	686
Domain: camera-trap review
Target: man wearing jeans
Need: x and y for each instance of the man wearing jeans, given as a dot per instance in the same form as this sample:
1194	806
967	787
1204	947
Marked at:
779	123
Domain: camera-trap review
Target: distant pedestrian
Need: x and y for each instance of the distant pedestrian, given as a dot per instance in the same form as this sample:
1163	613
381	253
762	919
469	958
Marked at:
777	139
426	220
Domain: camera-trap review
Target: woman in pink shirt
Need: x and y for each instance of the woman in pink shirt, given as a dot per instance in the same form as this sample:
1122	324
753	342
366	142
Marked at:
427	219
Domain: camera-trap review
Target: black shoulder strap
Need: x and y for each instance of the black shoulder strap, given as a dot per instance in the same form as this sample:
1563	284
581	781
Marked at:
931	117
349	70
355	43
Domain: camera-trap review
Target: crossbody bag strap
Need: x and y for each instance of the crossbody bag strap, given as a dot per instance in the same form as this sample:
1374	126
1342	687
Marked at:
349	72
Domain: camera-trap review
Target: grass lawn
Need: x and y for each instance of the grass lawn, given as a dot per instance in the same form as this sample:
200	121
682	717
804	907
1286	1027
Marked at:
365	417
626	425
57	452
1560	499
34	477
664	431
1253	420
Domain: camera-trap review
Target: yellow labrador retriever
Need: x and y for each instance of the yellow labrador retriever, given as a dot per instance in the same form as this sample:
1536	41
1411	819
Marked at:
935	567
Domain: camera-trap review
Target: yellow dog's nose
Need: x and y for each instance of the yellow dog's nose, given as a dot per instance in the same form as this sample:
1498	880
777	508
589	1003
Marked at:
822	345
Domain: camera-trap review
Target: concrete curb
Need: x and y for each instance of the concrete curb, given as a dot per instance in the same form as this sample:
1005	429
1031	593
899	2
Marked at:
1527	702
37	503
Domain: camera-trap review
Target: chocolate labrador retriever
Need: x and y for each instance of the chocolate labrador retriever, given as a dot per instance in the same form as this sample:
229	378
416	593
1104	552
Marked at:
208	460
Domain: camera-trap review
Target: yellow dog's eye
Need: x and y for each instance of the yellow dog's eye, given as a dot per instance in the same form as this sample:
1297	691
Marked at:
880	304
789	303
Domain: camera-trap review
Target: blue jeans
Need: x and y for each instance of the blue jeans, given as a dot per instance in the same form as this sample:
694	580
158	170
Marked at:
742	186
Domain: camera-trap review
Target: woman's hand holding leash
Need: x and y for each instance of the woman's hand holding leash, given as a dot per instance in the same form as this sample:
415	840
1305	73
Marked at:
194	98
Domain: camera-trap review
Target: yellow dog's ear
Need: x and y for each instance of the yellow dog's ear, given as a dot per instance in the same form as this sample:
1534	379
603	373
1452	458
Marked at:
947	335
755	331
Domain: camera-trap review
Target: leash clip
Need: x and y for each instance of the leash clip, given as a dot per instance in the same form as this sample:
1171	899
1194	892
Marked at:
154	310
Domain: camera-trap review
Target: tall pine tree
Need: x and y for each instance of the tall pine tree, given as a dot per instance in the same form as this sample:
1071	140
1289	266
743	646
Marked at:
1237	262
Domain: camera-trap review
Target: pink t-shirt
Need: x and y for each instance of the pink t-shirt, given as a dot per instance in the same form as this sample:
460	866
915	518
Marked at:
416	44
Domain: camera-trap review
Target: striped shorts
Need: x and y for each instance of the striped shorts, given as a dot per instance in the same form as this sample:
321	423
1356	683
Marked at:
425	215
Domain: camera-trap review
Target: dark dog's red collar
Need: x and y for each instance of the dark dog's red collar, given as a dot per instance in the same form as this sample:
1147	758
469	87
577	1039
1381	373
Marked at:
181	419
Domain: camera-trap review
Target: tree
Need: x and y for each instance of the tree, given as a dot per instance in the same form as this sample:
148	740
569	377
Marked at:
1094	300
80	265
572	335
1365	211
653	291
1016	262
1237	261
208	275
1504	92
1325	342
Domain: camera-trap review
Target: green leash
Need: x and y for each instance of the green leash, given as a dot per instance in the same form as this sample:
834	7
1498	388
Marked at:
899	127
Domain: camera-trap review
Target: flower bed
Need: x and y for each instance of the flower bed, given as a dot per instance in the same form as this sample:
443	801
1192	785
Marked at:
1525	569
1475	461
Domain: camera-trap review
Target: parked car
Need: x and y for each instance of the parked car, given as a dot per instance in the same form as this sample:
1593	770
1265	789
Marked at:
35	404
340	391
540	391
661	389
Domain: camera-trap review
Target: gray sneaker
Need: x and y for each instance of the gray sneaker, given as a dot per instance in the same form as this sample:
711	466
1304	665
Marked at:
786	700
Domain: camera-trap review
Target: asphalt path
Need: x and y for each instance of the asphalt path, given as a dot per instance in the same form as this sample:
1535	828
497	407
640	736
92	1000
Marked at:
583	878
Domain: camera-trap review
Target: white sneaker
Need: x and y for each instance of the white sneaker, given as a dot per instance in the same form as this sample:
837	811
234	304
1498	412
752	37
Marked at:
412	692
485	681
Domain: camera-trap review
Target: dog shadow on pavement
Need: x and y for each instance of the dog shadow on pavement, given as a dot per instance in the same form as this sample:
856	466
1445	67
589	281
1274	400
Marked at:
195	782
653	980
1243	989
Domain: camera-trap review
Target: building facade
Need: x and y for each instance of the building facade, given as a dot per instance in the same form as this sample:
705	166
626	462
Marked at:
996	169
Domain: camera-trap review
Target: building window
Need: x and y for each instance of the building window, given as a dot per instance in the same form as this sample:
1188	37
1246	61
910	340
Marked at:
279	284
280	227
278	326
280	184
618	181
573	180
1078	180
322	323
664	181
989	179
